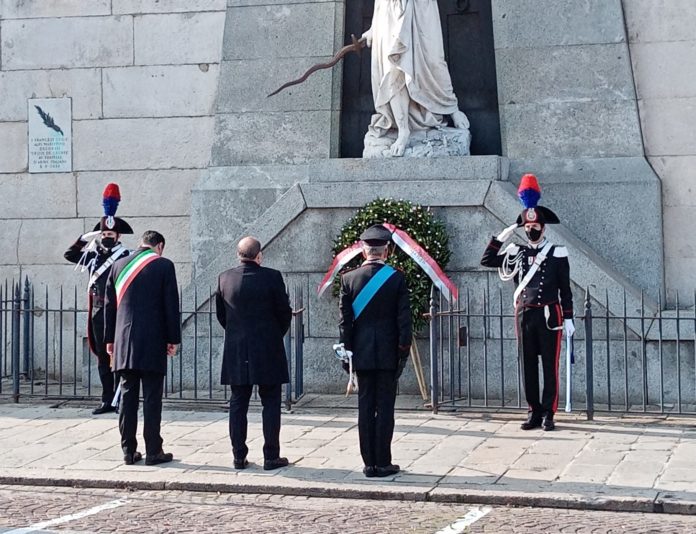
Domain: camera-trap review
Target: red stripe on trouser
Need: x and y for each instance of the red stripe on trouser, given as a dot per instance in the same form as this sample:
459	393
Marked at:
558	355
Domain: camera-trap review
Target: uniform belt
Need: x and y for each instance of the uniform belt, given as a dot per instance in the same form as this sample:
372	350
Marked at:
535	306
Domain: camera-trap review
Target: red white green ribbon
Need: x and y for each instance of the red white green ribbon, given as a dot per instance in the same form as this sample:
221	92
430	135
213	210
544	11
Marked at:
406	243
340	261
129	273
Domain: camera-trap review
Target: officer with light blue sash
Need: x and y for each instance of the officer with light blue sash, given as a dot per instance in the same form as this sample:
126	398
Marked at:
376	326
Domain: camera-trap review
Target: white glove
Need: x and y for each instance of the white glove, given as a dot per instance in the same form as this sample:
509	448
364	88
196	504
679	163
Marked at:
505	234
89	236
569	327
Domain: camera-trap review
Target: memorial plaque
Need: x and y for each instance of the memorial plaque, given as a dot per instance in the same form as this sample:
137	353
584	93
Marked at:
50	135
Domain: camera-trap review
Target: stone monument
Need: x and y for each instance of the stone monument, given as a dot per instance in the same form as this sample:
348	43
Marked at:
411	86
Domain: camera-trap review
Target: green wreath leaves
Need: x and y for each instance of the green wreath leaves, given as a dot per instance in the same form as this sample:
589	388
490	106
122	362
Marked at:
420	223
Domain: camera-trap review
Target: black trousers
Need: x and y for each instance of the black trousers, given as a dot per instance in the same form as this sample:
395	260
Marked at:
535	340
376	398
152	410
106	376
239	407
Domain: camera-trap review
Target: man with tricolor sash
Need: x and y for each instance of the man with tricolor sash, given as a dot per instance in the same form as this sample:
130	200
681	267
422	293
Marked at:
375	325
142	328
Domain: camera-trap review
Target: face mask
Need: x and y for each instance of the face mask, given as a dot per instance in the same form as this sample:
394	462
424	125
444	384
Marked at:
533	234
108	242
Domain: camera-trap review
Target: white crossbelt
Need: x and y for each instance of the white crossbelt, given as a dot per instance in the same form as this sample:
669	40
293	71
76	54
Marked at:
532	271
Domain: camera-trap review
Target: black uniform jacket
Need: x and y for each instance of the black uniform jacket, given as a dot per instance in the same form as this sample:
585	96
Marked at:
549	283
252	306
98	289
384	324
147	318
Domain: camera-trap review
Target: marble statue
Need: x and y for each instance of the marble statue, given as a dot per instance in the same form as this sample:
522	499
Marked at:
411	85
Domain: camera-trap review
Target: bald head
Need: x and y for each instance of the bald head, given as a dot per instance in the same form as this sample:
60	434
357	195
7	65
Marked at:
248	249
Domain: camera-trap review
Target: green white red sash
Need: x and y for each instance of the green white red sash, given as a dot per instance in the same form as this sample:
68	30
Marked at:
131	271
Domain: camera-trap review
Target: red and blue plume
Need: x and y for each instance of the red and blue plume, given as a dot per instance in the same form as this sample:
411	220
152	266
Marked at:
110	199
529	191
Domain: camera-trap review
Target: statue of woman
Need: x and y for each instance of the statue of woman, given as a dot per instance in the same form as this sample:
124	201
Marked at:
411	85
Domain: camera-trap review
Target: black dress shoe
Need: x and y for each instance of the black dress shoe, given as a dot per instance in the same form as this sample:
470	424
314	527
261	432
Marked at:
387	470
241	464
548	424
276	463
533	421
369	471
131	458
160	458
104	407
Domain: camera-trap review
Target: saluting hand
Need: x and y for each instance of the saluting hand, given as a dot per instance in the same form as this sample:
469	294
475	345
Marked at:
171	349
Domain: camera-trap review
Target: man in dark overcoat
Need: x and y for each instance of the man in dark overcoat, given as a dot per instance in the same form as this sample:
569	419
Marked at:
142	328
376	326
252	306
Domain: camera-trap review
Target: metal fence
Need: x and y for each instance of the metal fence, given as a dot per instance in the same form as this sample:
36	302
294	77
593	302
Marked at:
44	350
628	357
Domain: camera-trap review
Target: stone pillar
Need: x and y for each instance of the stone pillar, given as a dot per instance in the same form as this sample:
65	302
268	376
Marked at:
265	46
569	113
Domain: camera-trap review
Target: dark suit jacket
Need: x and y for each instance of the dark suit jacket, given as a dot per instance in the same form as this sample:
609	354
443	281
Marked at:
384	324
147	319
252	306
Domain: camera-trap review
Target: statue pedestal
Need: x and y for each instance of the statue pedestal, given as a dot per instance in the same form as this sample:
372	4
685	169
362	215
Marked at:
421	144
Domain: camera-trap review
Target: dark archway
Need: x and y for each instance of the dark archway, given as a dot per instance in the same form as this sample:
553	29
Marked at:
467	29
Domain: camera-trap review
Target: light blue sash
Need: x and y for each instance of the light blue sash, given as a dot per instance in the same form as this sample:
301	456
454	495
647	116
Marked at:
370	289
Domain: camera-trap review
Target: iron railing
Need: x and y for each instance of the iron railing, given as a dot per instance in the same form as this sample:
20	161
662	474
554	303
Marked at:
628	356
44	350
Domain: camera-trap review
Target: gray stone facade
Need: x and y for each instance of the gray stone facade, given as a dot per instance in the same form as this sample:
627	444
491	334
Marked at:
169	101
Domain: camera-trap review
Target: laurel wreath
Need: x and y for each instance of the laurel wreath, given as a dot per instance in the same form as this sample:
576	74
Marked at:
421	224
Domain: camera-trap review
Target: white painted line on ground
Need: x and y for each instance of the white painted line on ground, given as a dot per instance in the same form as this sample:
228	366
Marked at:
68	518
460	525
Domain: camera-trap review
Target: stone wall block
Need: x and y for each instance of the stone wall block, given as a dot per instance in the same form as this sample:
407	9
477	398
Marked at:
13	147
37	196
43	241
245	84
137	7
564	73
143	193
82	85
535	23
22	9
178	38
160	91
678	175
665	70
289	137
573	129
116	144
668	126
279	31
67	42
660	20
431	193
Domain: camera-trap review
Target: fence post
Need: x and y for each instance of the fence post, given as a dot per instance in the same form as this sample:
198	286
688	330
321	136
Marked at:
434	363
26	328
288	353
589	364
16	317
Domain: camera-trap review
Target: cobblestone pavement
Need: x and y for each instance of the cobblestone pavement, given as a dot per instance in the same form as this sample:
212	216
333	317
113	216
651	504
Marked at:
173	511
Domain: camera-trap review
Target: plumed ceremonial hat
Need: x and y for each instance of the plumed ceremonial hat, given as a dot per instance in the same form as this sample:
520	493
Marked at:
110	199
530	194
376	235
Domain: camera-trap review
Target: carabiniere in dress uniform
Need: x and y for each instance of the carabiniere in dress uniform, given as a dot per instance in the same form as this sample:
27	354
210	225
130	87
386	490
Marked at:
543	300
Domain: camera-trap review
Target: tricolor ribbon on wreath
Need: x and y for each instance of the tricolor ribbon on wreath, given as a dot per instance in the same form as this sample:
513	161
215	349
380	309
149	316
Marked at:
412	249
